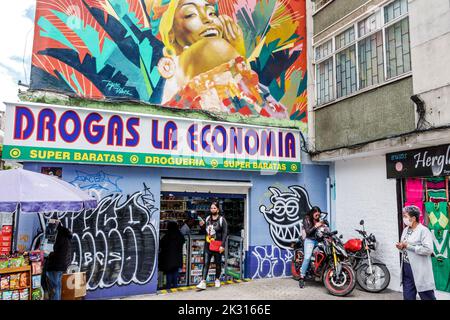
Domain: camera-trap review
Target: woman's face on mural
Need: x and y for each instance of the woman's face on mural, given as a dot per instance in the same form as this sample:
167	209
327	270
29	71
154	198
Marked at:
195	20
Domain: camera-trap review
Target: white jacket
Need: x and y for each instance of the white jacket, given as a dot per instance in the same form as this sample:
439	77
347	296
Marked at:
420	248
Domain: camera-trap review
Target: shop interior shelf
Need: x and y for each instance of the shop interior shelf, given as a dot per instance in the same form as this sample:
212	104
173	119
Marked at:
14	270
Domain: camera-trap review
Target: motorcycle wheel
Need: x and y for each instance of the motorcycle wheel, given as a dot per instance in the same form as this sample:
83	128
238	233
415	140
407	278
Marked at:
376	282
343	285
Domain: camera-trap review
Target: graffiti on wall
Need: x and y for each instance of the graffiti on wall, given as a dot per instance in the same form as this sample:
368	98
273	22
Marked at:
285	214
116	243
270	262
97	183
246	57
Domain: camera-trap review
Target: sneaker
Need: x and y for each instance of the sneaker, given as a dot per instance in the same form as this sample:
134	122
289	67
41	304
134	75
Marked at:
217	283
202	285
301	282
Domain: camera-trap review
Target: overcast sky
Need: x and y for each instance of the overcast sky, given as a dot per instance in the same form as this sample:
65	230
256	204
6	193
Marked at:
16	38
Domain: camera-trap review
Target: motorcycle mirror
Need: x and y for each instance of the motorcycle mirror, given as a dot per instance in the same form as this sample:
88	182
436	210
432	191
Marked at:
361	222
341	236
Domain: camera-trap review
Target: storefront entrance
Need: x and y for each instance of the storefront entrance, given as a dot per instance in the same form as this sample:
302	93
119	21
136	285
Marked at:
423	180
187	202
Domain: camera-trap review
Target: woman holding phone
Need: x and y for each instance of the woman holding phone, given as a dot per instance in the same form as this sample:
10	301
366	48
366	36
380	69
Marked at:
216	235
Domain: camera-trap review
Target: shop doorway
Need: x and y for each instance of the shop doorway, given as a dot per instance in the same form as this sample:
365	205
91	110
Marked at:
189	200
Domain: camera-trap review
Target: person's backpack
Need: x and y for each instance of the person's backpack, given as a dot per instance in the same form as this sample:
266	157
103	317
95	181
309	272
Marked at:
220	220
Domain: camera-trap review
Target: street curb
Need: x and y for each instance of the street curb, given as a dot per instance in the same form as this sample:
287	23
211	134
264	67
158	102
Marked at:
182	289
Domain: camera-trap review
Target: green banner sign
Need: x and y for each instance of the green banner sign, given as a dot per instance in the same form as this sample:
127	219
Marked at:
38	154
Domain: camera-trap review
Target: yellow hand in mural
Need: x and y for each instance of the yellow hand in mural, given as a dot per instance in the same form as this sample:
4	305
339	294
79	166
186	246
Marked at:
233	34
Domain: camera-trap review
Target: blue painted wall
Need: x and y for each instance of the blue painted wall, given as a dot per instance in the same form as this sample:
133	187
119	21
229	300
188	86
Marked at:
267	256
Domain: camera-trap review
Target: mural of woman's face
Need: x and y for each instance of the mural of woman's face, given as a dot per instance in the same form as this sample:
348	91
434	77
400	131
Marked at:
195	20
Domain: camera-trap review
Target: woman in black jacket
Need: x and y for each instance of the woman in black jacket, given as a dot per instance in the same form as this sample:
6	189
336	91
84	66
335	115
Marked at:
311	222
216	230
171	254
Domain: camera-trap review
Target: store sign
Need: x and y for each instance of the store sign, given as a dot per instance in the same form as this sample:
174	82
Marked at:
427	162
38	132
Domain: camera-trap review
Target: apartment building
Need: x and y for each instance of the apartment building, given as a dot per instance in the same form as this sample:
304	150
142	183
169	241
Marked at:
379	111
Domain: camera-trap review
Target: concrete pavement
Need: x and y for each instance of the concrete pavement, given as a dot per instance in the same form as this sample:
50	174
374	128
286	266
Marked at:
268	289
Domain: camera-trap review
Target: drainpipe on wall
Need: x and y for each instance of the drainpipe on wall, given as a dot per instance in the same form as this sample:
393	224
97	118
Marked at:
310	74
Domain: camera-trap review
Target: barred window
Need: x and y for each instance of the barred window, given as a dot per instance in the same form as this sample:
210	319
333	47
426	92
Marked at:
345	38
398	53
325	81
324	50
371	63
368	53
346	72
395	9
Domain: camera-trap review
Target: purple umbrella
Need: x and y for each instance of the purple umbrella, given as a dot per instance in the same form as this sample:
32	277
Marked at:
37	192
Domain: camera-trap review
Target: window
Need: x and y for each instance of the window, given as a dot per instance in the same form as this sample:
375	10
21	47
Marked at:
325	83
398	55
318	4
324	74
346	72
369	52
371	63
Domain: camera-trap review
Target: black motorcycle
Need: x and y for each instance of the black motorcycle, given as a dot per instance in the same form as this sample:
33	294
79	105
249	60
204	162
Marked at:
329	263
372	275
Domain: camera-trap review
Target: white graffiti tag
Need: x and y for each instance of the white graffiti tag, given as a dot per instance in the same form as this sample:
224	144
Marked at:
271	262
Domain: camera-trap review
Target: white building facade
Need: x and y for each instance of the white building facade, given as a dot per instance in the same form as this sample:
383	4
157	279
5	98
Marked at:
379	87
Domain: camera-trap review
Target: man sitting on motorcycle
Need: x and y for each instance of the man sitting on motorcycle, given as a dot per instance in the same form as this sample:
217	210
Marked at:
311	222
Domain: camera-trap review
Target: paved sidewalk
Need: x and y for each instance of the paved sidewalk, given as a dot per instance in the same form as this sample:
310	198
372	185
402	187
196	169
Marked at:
268	289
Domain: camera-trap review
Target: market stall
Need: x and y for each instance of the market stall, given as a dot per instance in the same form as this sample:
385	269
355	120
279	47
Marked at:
30	193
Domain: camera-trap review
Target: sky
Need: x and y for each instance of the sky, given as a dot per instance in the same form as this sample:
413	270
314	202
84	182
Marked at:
16	37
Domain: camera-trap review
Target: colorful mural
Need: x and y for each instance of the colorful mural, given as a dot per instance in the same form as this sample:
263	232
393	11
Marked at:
228	56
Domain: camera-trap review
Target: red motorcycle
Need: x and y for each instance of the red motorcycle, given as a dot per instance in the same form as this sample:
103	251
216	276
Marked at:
371	274
329	263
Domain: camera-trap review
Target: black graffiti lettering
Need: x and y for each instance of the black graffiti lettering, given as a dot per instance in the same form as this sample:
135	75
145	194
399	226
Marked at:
115	244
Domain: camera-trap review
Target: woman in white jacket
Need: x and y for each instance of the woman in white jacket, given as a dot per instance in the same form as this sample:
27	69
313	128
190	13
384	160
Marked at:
416	247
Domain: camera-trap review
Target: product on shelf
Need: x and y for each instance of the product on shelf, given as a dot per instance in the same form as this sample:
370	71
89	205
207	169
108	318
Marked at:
36	294
36	281
7	295
14	281
17	262
36	268
4	262
24	294
24	279
4	282
35	255
15	295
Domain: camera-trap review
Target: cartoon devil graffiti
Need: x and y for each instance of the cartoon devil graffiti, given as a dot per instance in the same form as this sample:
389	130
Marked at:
286	214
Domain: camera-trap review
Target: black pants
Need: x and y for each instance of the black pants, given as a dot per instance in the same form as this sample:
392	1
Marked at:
217	260
409	286
172	278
